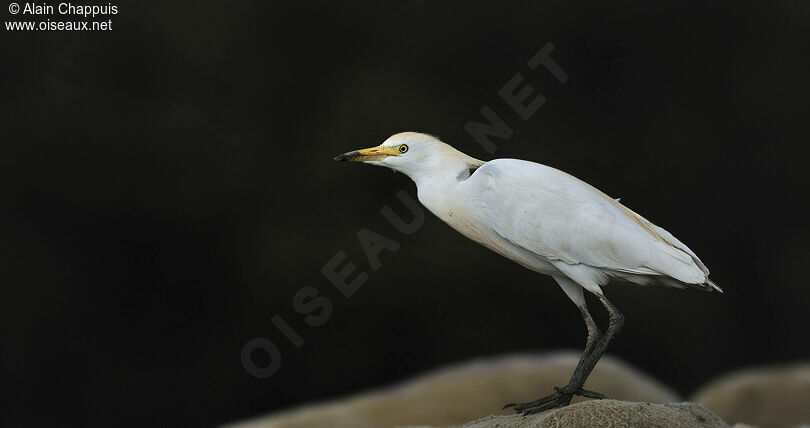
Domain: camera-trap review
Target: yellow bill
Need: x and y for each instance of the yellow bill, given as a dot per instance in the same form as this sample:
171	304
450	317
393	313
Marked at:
369	154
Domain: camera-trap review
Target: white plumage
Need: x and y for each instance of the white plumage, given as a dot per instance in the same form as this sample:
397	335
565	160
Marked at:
543	219
563	222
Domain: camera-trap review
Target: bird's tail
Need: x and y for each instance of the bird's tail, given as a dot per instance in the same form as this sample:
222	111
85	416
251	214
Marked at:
709	285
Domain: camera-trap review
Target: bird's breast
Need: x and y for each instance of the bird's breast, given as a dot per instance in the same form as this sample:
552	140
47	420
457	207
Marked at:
462	218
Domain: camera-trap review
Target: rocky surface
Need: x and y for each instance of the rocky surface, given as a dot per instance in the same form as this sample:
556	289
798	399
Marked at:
462	393
765	397
612	413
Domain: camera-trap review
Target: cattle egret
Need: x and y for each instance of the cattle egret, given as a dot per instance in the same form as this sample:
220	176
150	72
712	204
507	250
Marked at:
547	221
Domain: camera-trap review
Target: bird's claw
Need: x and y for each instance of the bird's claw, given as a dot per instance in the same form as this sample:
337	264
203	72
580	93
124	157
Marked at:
590	394
560	398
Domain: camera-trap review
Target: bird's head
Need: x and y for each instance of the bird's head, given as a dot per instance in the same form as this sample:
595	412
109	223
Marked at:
412	154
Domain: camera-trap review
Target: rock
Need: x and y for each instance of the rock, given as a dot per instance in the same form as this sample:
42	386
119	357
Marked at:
465	392
766	397
611	413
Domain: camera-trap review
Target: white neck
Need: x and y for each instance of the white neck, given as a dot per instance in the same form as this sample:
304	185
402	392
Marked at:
437	179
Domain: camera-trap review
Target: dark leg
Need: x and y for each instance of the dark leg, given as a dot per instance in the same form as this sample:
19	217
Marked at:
594	335
594	348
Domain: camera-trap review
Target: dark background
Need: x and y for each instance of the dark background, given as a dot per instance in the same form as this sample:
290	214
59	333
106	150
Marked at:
168	186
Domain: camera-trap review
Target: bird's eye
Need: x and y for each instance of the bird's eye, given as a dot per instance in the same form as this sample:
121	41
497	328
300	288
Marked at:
403	148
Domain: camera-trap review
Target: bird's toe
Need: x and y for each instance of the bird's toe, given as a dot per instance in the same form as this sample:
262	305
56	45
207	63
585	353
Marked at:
559	398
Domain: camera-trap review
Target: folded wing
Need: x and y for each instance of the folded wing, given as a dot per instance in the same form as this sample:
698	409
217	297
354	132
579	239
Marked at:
576	226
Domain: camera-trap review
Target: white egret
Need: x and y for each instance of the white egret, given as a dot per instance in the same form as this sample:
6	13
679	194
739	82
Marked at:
547	221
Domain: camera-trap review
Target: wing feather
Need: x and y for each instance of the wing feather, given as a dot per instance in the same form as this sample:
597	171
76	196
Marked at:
565	220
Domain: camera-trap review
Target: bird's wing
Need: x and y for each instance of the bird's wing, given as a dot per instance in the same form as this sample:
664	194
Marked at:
567	221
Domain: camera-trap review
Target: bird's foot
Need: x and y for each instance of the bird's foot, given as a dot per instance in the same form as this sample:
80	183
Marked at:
560	398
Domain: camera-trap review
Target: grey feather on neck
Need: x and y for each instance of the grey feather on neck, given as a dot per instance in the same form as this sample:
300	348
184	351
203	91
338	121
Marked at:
468	171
